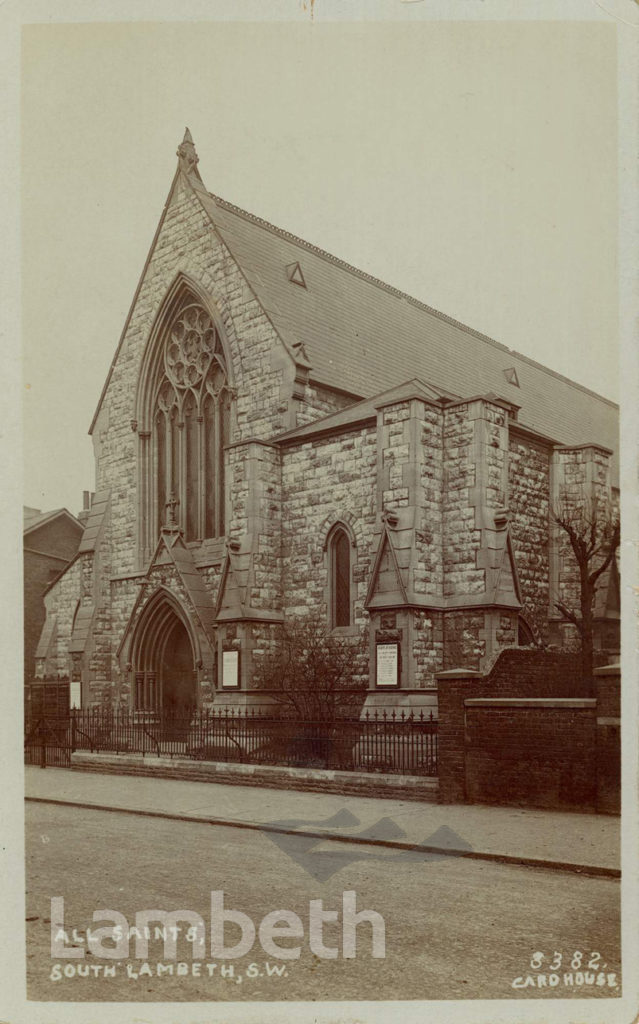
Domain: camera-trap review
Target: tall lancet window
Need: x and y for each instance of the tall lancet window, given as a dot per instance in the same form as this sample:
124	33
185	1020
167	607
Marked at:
191	426
340	578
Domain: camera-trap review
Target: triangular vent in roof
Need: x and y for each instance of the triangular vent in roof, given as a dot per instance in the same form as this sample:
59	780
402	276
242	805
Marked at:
295	275
511	376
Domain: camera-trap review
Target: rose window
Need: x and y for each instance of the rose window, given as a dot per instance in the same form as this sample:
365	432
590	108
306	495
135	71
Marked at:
190	346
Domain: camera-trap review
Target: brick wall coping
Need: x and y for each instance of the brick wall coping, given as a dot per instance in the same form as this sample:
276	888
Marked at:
534	702
608	670
460	673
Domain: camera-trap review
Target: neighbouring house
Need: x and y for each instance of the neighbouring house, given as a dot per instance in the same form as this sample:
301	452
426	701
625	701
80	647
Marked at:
50	542
281	434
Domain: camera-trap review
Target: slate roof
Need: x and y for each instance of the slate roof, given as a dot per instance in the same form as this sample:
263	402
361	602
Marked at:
81	628
360	412
363	336
47	636
193	583
94	522
171	550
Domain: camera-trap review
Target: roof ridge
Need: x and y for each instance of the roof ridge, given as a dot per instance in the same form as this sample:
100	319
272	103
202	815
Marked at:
35	522
364	275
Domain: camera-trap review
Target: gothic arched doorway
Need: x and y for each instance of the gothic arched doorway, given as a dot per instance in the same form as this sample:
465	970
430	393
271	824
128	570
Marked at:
164	661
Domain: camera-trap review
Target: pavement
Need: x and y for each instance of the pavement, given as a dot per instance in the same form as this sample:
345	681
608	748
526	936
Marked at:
587	843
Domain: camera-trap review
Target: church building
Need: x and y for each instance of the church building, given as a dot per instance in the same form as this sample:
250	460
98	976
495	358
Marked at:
281	435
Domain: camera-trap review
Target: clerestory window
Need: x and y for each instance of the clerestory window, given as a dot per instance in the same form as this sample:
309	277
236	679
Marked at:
191	426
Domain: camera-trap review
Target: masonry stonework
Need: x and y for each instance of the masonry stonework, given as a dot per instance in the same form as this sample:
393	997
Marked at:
443	494
529	506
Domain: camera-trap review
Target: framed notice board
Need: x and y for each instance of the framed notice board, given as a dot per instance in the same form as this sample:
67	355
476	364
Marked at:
230	670
387	664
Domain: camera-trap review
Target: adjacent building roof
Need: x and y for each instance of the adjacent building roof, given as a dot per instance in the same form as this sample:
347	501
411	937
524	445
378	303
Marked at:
28	514
33	518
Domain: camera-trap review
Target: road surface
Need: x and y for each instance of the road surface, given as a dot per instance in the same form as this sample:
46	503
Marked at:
453	928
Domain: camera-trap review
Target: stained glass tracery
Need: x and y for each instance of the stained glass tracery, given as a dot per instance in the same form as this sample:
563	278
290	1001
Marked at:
191	425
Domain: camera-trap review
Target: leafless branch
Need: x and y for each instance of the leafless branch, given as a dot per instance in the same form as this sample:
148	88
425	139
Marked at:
569	615
310	670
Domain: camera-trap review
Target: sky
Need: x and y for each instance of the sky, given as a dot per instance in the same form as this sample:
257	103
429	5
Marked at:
472	165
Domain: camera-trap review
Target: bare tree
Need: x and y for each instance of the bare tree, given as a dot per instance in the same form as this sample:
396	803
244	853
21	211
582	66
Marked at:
311	671
592	530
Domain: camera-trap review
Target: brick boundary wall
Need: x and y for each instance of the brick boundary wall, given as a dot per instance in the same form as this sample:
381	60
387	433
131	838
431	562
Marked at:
396	787
525	734
608	682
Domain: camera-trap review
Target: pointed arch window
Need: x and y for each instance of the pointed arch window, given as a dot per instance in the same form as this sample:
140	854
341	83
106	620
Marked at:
339	551
190	425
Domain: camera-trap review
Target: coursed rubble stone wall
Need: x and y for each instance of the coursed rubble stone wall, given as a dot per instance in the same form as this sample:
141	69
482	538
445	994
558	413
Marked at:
447	471
61	601
529	509
262	408
186	244
324	481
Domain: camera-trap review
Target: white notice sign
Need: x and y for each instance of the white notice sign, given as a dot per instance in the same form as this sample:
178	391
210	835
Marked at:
387	664
230	669
75	694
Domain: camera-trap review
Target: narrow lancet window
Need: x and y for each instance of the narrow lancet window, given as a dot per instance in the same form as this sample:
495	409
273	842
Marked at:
340	571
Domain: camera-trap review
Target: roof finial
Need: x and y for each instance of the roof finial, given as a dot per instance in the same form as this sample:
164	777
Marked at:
171	505
188	158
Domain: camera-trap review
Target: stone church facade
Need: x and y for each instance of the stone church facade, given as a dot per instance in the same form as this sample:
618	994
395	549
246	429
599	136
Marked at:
281	435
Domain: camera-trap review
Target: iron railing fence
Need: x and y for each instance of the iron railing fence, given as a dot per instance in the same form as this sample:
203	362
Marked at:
400	742
47	741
